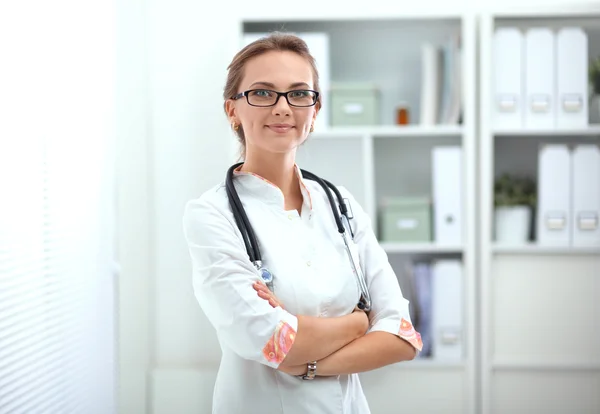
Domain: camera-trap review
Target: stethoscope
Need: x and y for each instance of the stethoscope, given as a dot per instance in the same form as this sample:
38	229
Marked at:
341	220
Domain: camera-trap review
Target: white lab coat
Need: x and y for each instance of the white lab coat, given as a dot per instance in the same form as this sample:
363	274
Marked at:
312	276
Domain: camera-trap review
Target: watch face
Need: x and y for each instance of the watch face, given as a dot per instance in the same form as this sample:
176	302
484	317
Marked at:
266	275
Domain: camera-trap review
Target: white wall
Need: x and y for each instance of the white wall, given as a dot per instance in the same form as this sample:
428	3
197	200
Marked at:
134	224
174	143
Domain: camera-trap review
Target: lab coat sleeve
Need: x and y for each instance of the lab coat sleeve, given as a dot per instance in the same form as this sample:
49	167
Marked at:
389	308
222	278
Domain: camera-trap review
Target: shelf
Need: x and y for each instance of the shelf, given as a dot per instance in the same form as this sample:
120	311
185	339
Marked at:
546	365
418	131
419	248
337	15
551	250
409	131
590	131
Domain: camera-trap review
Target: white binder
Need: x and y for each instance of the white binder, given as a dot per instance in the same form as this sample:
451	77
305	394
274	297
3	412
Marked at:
572	78
540	76
447	310
586	196
430	84
318	45
554	195
508	105
447	187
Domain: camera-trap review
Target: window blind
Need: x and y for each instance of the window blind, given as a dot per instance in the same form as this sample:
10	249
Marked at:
57	280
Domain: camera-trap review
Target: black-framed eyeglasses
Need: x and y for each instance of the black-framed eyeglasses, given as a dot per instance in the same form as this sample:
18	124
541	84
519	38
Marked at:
265	97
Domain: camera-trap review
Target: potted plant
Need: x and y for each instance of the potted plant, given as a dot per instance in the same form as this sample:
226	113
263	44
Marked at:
594	78
514	202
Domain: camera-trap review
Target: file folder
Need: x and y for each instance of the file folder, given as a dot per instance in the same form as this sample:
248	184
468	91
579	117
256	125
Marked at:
447	194
508	105
540	76
586	196
554	195
572	78
447	310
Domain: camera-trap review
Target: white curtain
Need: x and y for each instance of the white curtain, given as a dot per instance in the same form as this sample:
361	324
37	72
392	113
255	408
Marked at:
57	270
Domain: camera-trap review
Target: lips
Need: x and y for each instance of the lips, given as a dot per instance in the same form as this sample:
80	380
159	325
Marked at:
280	128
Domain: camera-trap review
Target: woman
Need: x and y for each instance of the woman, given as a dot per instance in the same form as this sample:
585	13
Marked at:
297	345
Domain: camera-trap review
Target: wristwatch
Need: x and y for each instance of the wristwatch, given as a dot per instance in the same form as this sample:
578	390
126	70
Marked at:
311	372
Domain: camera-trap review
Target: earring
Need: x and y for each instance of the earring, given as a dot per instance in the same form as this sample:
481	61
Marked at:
312	128
234	126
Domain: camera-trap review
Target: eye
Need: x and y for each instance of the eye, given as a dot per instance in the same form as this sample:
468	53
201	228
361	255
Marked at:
300	94
262	93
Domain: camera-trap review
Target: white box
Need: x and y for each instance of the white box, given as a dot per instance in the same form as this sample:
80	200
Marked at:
586	196
447	310
572	78
508	65
540	77
554	195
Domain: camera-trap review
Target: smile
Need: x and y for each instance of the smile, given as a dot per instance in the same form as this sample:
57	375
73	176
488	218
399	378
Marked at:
280	128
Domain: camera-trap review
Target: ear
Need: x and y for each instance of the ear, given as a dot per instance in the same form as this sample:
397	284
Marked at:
231	110
317	109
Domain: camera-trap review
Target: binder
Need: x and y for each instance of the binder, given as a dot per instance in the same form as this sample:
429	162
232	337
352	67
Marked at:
508	46
572	78
318	45
447	310
554	195
586	195
540	76
431	80
447	188
423	280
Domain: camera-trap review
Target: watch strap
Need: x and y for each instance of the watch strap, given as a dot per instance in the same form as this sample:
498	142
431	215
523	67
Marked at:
311	371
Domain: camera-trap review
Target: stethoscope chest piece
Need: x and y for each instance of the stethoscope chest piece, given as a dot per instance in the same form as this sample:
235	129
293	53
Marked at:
266	275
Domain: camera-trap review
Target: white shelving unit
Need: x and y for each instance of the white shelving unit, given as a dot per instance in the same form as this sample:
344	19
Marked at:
420	248
389	160
540	318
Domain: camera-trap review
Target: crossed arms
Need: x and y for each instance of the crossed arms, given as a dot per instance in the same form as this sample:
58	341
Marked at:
340	344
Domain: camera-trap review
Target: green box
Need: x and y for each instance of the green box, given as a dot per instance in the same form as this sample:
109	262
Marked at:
354	104
406	219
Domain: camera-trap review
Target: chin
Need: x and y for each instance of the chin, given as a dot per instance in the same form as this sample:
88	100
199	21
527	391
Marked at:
281	146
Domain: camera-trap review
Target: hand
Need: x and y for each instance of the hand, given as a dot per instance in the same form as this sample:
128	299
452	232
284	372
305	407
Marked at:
264	292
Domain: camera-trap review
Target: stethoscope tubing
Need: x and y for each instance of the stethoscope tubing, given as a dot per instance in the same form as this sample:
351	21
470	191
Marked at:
251	242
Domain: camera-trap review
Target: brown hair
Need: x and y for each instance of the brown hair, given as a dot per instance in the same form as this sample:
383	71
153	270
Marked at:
275	41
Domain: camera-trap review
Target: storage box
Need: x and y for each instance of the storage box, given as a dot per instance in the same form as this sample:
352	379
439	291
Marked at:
354	104
406	219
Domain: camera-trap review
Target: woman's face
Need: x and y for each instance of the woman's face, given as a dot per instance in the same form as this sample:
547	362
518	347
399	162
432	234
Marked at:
280	128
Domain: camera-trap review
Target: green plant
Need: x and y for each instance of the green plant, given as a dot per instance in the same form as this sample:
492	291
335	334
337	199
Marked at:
513	190
595	75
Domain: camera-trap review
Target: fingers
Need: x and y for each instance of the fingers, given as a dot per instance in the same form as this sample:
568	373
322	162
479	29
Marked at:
264	293
258	286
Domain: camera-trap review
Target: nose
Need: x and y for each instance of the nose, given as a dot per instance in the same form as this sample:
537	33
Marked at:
282	107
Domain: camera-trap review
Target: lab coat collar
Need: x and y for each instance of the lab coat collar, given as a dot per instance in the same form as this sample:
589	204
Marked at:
268	192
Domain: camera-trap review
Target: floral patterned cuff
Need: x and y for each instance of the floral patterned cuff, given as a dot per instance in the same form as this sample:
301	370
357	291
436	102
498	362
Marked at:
280	343
408	333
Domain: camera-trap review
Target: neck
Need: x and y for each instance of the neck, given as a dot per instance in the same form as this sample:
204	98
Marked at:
279	169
